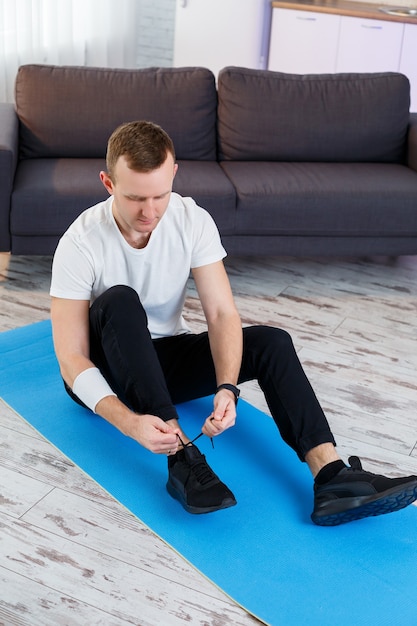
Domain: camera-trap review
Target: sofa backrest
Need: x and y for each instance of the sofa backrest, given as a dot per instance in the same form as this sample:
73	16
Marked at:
271	116
72	111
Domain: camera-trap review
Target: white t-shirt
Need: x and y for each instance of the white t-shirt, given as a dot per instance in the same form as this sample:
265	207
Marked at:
93	256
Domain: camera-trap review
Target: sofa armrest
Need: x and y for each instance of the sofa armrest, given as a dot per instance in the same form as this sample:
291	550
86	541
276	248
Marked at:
412	142
9	147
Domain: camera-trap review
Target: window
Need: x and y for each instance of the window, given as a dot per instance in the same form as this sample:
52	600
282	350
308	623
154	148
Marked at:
100	33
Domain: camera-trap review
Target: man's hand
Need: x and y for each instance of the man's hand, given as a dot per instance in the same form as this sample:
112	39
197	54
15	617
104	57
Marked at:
223	416
154	434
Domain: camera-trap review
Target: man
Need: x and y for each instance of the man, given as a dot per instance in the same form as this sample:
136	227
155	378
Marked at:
118	289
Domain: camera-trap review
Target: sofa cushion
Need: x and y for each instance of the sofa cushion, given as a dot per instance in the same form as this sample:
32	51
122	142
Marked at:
71	111
328	117
324	199
47	186
46	200
208	185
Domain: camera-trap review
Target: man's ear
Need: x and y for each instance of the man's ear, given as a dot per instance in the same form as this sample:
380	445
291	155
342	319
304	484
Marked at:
175	169
107	182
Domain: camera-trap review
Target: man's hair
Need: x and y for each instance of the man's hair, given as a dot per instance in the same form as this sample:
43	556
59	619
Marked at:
145	146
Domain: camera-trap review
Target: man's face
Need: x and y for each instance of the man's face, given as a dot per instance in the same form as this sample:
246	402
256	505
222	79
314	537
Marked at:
140	198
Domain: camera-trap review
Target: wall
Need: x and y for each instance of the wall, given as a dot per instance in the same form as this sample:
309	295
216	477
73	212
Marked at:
156	23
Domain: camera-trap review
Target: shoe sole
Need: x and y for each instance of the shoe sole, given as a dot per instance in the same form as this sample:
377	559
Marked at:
227	502
366	506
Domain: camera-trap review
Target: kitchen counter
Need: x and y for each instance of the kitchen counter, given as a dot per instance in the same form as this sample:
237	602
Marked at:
344	7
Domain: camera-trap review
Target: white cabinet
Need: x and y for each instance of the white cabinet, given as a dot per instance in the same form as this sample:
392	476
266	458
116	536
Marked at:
408	62
312	42
303	42
367	45
217	33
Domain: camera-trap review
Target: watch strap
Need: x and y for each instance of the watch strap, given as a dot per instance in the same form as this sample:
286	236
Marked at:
235	390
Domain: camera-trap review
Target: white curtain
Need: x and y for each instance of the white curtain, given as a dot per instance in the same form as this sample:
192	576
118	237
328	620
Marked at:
100	33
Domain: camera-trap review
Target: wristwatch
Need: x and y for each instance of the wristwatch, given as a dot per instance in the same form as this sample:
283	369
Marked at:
231	388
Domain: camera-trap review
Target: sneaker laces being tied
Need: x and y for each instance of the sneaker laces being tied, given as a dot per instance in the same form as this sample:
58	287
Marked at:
184	445
202	471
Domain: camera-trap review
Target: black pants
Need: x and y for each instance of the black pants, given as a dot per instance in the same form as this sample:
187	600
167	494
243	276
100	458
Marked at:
152	375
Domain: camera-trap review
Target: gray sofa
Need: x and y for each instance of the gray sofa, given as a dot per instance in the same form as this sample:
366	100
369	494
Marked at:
286	164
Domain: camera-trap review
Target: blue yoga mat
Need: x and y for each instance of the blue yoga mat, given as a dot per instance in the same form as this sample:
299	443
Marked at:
265	552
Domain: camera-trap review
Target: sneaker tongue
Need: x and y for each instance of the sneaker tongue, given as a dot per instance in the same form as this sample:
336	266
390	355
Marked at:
355	463
192	453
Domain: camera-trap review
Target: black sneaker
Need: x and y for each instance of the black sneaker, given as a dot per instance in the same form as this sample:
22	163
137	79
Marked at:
194	484
353	494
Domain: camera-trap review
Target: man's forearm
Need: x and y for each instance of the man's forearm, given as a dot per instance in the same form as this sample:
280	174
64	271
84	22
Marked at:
118	414
226	344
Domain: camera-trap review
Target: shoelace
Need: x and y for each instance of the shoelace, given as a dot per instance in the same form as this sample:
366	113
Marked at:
193	440
203	473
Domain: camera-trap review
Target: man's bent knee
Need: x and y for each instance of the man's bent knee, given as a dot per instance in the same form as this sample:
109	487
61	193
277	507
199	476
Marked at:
268	336
121	293
119	302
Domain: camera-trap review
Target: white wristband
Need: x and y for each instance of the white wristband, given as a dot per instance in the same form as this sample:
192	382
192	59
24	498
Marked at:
90	387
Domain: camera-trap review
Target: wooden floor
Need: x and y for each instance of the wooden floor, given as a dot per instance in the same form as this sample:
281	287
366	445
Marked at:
71	555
